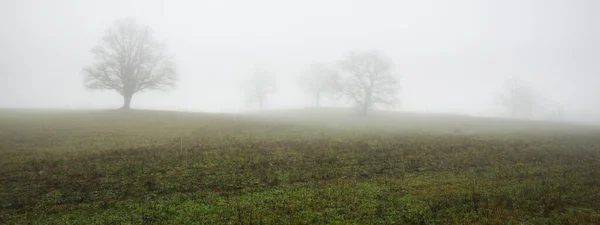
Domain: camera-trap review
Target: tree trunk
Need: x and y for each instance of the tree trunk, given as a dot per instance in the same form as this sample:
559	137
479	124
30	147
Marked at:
367	103
127	101
364	109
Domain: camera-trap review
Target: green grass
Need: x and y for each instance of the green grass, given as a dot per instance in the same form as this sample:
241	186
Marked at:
301	167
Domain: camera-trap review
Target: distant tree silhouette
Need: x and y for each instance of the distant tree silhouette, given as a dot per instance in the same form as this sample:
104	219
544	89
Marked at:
517	98
260	84
369	80
130	60
319	80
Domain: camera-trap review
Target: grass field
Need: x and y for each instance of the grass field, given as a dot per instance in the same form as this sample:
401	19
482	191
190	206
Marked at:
294	167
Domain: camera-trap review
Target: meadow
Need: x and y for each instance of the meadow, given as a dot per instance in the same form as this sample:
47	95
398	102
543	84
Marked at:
324	166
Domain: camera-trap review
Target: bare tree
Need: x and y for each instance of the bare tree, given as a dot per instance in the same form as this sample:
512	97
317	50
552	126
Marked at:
319	80
370	80
130	60
259	86
517	98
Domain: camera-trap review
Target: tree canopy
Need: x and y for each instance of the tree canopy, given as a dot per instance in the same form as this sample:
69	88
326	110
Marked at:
130	60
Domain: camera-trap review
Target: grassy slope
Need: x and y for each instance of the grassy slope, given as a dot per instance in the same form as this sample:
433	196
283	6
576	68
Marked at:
312	166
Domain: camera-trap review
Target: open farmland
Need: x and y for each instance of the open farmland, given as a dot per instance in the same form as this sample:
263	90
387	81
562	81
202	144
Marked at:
294	167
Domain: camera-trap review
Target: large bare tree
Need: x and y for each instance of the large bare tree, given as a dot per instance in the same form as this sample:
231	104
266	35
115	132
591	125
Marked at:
319	80
370	80
517	98
129	60
259	86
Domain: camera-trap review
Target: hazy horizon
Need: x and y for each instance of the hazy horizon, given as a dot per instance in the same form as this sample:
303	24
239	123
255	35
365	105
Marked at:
451	57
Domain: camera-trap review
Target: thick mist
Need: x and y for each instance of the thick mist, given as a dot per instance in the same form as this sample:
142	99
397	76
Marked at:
450	56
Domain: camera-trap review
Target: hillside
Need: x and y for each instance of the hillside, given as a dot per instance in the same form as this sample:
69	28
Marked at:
428	122
313	166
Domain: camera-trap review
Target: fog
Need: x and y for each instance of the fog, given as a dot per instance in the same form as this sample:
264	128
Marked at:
450	56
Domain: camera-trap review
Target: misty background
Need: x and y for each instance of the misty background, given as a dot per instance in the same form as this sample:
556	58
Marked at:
451	56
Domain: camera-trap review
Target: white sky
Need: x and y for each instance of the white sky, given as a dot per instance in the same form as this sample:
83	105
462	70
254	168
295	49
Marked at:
451	56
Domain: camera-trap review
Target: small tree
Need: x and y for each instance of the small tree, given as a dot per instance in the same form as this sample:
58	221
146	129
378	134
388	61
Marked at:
130	60
517	98
259	86
320	80
370	80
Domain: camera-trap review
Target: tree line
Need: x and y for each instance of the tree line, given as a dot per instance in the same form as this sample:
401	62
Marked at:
129	60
